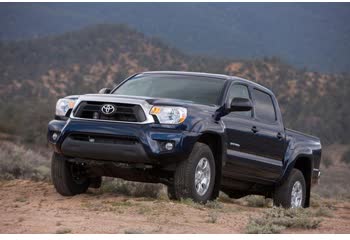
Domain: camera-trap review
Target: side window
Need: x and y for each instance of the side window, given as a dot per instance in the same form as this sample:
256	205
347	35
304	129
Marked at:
264	108
241	91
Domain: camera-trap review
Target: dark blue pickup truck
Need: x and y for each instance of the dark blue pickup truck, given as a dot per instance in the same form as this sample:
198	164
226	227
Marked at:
197	133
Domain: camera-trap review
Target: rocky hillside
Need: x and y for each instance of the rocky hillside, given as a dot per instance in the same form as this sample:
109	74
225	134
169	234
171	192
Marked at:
34	73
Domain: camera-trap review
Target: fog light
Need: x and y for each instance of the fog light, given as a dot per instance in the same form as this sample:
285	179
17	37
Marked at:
54	136
169	146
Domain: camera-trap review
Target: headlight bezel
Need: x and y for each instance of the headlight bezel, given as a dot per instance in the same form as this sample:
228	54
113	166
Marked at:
171	115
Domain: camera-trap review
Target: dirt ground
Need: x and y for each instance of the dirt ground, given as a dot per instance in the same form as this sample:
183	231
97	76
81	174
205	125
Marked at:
35	207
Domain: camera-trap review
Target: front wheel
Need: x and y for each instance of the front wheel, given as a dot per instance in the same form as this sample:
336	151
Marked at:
195	177
292	193
67	177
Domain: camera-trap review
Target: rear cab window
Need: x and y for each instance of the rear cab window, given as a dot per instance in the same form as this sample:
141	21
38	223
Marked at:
264	107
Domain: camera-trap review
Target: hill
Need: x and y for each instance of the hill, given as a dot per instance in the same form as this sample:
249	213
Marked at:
34	73
315	35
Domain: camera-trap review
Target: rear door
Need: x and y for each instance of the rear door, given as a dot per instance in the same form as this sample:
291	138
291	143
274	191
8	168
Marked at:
255	146
269	136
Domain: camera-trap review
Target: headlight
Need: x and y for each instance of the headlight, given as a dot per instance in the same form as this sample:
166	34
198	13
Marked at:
169	115
63	105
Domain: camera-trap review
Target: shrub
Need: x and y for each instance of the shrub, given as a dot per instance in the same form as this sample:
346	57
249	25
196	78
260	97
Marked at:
214	205
212	217
17	161
275	220
134	189
257	201
323	212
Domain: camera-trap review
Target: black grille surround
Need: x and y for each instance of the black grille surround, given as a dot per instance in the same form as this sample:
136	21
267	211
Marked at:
124	112
95	138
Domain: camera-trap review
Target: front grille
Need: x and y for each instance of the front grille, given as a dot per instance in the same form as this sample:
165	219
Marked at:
94	138
124	112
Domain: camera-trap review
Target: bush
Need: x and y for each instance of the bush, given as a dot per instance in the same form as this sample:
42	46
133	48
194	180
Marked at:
134	189
275	220
323	212
212	217
257	201
17	161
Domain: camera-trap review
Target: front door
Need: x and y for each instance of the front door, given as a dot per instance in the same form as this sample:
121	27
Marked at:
240	137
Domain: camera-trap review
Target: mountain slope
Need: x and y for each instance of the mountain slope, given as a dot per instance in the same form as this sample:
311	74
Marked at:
313	35
34	73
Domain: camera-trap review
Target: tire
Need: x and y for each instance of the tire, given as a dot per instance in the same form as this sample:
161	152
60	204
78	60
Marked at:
184	177
283	193
171	193
62	177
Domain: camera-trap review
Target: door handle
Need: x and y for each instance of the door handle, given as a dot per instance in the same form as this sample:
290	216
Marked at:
279	136
255	129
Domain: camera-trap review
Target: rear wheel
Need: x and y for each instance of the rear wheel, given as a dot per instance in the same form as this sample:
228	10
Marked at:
195	177
67	177
292	193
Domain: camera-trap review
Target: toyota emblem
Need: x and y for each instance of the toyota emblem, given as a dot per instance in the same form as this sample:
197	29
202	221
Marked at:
108	109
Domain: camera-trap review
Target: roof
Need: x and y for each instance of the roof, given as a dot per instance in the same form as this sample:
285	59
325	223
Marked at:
212	75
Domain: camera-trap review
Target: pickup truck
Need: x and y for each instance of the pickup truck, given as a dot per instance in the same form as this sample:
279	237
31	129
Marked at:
197	133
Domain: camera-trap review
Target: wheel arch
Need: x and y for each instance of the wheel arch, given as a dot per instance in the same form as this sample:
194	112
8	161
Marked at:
304	163
216	143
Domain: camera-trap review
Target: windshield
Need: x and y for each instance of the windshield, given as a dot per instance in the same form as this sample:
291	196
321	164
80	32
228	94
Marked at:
198	89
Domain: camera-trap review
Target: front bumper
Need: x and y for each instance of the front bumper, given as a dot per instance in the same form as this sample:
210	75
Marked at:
120	142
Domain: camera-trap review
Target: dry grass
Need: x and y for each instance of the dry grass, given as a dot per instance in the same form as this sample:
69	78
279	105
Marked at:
214	205
257	201
133	189
212	217
275	220
323	212
17	161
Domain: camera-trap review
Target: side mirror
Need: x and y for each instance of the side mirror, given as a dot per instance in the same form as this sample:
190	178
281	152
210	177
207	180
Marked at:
105	91
241	105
